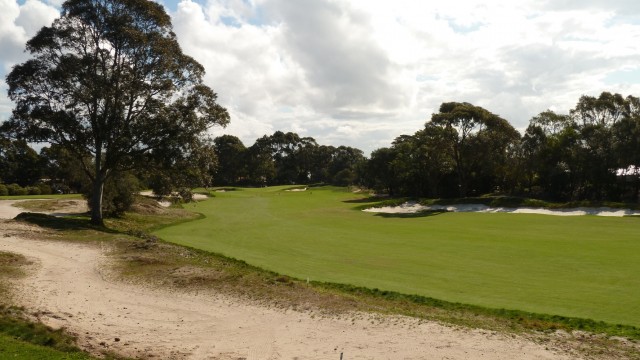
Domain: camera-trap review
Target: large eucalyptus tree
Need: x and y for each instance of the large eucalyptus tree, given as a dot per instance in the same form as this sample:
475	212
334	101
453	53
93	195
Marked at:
109	82
479	141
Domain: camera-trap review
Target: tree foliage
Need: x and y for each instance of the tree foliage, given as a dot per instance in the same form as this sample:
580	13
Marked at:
19	163
466	150
231	154
285	158
478	142
108	79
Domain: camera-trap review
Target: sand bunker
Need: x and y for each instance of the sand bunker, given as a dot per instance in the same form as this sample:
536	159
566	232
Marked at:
413	207
166	203
296	190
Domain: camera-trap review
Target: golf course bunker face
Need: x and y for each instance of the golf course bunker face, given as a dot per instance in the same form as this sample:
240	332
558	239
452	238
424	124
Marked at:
413	207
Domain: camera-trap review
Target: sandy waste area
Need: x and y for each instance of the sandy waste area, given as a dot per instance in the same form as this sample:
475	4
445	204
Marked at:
167	203
413	207
70	287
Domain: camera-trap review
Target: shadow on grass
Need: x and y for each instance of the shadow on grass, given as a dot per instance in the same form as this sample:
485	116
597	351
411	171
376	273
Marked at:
419	214
369	199
60	223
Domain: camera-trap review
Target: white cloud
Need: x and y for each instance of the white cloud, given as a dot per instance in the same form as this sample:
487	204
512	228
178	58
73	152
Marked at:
18	23
33	15
361	72
12	37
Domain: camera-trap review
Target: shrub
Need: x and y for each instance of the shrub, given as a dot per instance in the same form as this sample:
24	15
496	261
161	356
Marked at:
3	190
61	189
161	185
44	189
186	195
16	190
118	195
33	190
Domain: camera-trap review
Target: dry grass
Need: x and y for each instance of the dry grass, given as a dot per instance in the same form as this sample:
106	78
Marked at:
12	267
48	205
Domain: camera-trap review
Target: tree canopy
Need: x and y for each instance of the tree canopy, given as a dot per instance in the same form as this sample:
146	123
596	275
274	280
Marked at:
19	163
285	158
466	150
108	82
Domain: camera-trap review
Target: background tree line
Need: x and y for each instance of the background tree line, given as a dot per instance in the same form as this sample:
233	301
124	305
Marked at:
281	158
591	153
285	158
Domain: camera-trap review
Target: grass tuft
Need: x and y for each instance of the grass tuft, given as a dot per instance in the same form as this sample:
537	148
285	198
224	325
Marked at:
14	323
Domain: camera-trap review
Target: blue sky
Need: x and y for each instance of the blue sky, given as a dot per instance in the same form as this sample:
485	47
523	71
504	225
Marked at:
172	5
362	72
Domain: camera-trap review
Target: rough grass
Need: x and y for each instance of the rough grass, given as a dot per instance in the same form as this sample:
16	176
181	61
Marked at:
11	268
13	348
46	205
22	338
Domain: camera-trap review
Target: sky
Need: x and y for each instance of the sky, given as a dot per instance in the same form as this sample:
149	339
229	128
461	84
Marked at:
362	72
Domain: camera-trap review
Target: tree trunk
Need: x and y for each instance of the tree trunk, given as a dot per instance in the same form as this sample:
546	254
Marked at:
96	201
98	188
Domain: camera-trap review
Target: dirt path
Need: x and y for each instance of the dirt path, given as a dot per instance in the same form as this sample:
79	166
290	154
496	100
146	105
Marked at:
7	210
70	288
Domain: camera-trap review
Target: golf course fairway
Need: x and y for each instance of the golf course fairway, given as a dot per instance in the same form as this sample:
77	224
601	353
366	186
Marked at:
578	266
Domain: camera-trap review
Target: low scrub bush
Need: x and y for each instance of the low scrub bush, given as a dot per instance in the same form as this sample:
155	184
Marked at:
16	190
118	195
33	190
45	189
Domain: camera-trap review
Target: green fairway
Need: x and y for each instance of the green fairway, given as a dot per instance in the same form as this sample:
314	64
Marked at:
582	266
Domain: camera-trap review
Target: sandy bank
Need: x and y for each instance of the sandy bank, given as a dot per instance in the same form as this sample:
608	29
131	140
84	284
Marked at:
413	207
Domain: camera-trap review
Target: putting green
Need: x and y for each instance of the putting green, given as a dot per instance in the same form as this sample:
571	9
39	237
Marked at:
582	266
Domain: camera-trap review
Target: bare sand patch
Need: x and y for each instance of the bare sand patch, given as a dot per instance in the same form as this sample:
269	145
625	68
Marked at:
297	190
9	209
413	207
166	203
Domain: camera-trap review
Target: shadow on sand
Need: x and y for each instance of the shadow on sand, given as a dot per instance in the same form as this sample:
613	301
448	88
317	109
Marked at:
60	223
412	215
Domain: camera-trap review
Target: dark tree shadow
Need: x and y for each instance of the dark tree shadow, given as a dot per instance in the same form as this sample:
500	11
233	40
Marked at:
60	223
419	214
369	199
